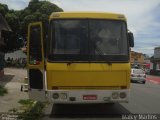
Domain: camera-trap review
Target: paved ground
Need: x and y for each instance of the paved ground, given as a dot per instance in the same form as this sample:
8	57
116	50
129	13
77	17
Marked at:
12	81
153	79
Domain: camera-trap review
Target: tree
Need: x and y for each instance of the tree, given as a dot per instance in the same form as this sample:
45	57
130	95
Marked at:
3	9
37	11
19	20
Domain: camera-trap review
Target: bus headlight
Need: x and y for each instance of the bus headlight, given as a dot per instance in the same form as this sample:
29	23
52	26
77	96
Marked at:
55	95
122	95
63	95
115	95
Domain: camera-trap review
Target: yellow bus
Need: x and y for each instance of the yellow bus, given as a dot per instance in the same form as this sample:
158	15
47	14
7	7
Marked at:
84	59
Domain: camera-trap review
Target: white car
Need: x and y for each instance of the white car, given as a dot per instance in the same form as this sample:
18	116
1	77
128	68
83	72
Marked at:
138	75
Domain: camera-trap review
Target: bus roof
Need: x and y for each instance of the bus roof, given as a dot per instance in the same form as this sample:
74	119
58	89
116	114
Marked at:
91	15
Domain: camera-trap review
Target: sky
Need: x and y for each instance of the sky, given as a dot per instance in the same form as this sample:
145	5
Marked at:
143	16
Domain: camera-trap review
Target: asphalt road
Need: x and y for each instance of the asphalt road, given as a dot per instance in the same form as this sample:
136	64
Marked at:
144	99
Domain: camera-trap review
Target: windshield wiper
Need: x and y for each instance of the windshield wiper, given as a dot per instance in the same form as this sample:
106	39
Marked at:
101	54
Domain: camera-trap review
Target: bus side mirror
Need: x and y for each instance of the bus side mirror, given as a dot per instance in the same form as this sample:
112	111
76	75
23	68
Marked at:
131	39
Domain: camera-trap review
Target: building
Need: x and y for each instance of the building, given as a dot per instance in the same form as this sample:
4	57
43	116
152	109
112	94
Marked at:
155	60
3	26
136	58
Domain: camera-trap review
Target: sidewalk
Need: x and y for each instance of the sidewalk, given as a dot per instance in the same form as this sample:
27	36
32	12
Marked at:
12	81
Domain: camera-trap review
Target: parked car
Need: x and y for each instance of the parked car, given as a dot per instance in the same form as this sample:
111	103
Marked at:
138	75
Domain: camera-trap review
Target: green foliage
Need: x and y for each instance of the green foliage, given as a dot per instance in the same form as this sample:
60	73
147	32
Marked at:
29	110
13	21
37	11
3	9
35	113
19	20
26	102
3	90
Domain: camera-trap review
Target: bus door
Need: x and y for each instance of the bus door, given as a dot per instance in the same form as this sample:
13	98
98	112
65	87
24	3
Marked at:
35	58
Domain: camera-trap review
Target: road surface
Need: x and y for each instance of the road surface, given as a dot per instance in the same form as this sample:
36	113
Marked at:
144	99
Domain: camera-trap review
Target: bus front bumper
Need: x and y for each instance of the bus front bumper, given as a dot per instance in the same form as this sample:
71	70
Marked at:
87	96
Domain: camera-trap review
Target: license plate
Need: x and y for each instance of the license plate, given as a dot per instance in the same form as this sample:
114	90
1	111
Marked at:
89	97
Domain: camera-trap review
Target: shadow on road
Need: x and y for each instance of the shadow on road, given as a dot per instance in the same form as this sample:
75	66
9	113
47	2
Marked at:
88	111
6	78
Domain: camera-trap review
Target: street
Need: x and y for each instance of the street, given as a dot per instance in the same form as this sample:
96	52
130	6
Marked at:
144	99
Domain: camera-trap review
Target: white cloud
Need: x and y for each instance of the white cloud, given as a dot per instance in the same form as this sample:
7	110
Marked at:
56	2
135	10
15	4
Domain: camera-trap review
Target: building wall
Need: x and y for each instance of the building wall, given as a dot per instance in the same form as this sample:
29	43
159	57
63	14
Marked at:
157	53
2	62
1	55
136	58
3	26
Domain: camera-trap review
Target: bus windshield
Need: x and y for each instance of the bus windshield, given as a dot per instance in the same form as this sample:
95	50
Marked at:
88	40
